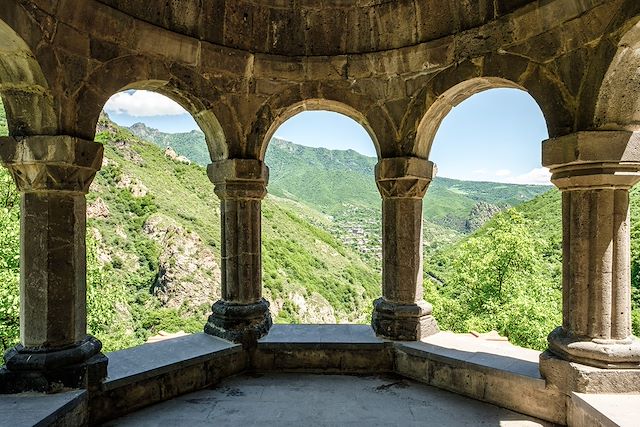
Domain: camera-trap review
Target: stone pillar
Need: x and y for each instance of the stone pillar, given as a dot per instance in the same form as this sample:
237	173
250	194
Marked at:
594	171
53	174
242	315
401	313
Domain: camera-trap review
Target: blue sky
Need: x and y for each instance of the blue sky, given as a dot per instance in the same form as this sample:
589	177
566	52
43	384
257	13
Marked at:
492	136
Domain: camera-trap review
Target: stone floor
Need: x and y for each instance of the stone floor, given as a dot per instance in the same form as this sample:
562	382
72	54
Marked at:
323	400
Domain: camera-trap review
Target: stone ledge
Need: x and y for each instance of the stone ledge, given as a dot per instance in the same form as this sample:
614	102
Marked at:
151	373
323	348
611	410
37	409
151	360
484	355
484	371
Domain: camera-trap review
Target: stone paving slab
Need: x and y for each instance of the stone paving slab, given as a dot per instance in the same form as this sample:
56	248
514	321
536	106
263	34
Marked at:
323	400
149	360
37	409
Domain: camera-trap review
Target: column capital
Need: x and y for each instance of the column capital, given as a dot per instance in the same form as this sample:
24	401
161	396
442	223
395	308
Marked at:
239	178
593	160
51	163
404	177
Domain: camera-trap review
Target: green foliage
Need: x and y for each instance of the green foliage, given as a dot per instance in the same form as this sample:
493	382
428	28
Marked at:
9	254
498	279
288	314
9	262
4	128
107	305
635	322
191	145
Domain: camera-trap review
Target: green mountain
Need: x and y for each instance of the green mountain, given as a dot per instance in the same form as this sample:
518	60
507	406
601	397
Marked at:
340	183
189	144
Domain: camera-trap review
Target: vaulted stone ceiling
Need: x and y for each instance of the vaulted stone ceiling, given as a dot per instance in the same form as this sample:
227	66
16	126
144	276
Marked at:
243	67
318	27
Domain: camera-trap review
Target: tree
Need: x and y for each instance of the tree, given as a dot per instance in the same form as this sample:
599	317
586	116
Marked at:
9	262
498	279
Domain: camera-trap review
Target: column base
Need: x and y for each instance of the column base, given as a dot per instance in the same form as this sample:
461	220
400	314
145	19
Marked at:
403	322
606	354
570	376
49	370
240	323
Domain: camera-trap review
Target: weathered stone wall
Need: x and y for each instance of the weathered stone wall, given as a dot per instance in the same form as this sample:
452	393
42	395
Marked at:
241	67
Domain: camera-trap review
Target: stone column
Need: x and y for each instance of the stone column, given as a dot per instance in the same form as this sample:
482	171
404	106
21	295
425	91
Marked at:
53	174
594	171
401	313
242	315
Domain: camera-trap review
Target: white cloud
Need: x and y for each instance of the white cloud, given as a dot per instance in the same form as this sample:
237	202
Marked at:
540	176
142	103
537	176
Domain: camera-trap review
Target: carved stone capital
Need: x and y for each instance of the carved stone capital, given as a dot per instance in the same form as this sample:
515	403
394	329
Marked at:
239	178
51	163
593	160
404	177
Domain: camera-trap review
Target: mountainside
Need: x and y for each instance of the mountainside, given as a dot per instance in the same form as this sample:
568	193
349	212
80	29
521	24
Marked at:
189	144
340	183
301	260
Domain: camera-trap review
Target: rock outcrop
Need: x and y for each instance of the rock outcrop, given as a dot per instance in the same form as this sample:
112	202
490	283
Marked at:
188	275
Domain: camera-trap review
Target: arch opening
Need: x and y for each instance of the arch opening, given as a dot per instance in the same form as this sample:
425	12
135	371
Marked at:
316	104
499	268
321	220
192	91
206	120
153	224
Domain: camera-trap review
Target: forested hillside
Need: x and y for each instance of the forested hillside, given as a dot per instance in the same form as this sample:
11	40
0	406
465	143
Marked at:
341	183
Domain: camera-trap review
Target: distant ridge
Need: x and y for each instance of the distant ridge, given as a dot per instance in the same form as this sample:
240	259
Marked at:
337	181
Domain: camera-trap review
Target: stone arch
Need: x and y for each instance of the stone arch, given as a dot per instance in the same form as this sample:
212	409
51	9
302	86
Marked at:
175	82
287	104
24	88
498	71
617	105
